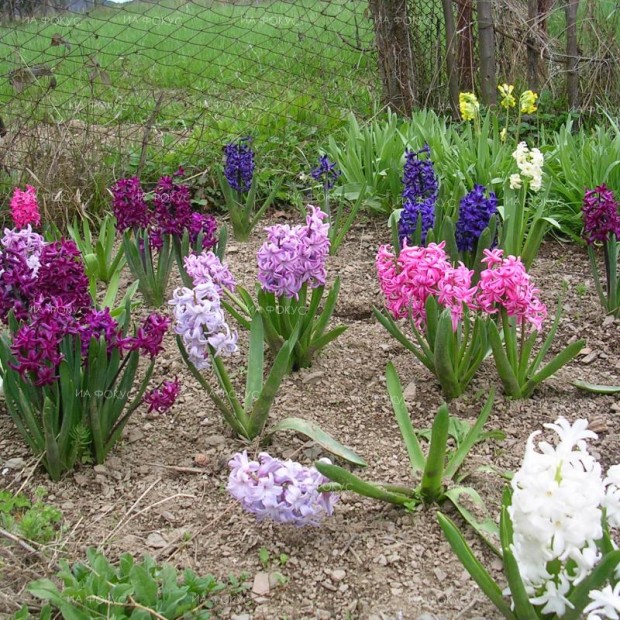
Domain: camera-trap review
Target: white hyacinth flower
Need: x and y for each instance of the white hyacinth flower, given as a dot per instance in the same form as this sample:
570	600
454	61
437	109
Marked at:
556	511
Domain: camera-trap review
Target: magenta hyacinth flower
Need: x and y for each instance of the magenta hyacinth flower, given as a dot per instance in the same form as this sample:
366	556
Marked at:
601	217
25	207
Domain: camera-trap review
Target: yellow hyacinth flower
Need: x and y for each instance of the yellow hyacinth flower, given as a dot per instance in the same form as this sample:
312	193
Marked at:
527	101
469	106
508	100
502	134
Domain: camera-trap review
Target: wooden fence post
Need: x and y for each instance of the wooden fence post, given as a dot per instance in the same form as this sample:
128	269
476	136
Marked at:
486	50
532	55
572	55
451	66
395	58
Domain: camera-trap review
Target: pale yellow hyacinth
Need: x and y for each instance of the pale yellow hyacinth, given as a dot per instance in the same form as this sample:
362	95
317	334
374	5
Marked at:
527	102
503	134
469	106
508	100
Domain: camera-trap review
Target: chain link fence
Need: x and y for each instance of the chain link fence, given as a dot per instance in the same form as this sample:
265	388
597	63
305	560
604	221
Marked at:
89	92
92	89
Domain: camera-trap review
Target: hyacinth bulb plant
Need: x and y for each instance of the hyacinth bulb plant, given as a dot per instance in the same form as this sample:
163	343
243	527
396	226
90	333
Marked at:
285	492
166	229
438	465
437	300
204	338
558	522
69	368
292	274
506	291
239	186
524	225
601	227
103	263
327	173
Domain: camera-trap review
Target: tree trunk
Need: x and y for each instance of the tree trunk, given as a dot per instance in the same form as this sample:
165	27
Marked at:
486	47
393	42
532	52
451	67
464	22
572	59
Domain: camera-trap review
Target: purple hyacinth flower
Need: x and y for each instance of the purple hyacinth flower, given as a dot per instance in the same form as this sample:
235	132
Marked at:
326	172
129	206
239	164
173	211
292	257
202	224
475	212
283	491
207	267
150	335
601	217
162	398
420	191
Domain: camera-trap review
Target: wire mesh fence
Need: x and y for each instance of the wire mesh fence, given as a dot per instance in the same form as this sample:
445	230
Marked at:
93	89
155	85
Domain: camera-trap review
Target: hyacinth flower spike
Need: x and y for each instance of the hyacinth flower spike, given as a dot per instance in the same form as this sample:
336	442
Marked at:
558	556
601	216
239	186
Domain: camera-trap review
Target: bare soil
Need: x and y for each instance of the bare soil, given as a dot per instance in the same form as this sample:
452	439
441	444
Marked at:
369	561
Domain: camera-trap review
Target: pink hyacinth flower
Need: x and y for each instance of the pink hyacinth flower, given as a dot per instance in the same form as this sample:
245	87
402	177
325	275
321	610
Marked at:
25	207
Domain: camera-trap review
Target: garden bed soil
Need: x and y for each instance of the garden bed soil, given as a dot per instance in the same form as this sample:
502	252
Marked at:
163	492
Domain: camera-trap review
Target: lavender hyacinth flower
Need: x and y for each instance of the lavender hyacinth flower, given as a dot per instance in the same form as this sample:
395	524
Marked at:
201	324
292	257
475	212
326	172
284	491
421	188
207	267
25	242
239	164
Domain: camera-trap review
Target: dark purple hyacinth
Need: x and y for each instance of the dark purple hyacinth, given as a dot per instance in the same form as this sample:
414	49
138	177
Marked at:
419	179
239	164
205	224
420	191
408	223
173	210
475	212
98	323
326	172
36	345
61	274
162	398
150	335
600	215
129	206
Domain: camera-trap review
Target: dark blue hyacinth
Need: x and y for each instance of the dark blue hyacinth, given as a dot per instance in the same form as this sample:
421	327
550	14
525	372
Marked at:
326	172
421	188
475	212
239	164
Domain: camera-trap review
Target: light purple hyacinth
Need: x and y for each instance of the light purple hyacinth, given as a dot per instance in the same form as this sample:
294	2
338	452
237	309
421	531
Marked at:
294	256
207	267
25	242
201	323
284	491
